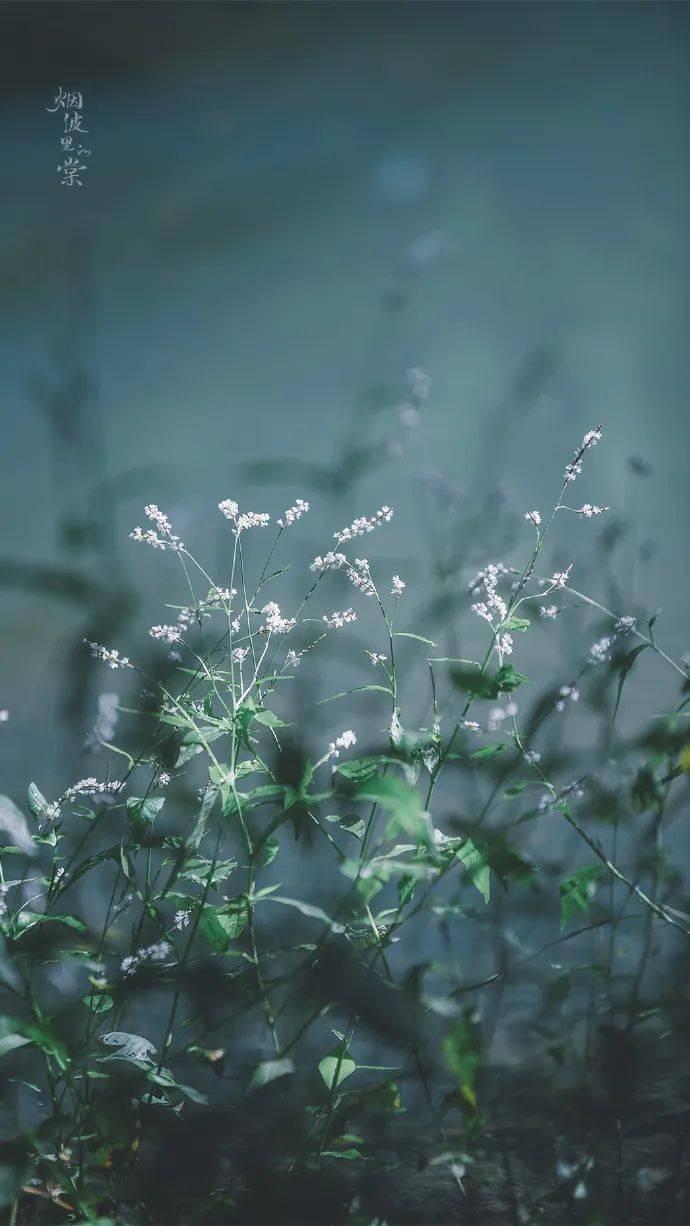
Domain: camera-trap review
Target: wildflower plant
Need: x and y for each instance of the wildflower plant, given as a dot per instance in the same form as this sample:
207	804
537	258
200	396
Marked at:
185	831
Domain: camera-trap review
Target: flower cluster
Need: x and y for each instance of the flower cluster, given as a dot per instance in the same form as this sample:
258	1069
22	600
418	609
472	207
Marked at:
487	581
171	634
360	575
364	524
294	513
376	657
160	537
109	655
533	517
345	741
588	510
249	519
574	467
330	561
91	787
239	654
335	621
548	611
398	587
566	692
148	953
274	622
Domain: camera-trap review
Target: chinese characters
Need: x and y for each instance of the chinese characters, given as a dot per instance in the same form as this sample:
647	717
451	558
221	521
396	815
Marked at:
70	102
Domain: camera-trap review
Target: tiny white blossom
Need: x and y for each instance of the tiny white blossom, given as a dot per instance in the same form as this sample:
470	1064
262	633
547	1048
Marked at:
574	467
533	517
275	623
163	779
561	577
345	741
599	651
4	715
293	658
335	621
330	561
294	513
548	611
171	634
91	787
249	519
398	587
160	537
471	725
239	654
376	657
504	642
588	510
532	757
109	655
360	576
181	920
624	624
363	524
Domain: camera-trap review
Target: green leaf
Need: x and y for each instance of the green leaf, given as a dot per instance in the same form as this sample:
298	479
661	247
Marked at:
270	1070
517	623
406	634
489	751
36	800
577	890
359	769
308	909
335	1068
508	678
462	1051
623	674
477	867
42	1034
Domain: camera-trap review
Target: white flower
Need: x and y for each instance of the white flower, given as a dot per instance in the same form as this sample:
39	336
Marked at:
588	510
532	757
330	561
376	657
4	715
548	611
294	513
249	519
181	920
504	642
533	517
240	654
360	576
599	651
398	587
163	779
148	953
364	524
164	537
471	725
109	655
574	467
275	623
624	624
486	581
345	741
561	577
335	621
293	658
171	634
91	787
567	691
